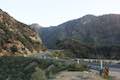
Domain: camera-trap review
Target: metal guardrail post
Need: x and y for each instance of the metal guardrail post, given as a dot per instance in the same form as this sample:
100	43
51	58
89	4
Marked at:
101	68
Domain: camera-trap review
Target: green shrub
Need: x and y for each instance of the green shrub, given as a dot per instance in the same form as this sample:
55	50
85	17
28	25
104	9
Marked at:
38	74
58	54
15	68
77	67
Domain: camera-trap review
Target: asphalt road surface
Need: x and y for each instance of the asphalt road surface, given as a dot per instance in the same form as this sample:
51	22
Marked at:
114	70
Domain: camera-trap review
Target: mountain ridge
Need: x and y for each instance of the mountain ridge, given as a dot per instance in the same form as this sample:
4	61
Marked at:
87	25
86	37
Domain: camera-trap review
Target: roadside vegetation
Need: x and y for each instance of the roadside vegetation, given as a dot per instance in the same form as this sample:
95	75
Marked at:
75	49
77	67
26	68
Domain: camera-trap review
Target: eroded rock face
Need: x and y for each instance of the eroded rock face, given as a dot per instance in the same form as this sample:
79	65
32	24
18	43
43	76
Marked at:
17	38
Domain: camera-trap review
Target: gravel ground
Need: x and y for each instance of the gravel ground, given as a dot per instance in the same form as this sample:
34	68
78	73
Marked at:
78	76
115	75
92	75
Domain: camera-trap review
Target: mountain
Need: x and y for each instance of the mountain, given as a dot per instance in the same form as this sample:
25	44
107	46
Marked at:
91	30
36	27
17	38
89	36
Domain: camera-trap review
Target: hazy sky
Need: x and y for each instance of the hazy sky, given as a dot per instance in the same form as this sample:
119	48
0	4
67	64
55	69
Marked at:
54	12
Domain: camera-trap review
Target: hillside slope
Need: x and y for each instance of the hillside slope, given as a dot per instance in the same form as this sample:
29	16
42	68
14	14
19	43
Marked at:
17	38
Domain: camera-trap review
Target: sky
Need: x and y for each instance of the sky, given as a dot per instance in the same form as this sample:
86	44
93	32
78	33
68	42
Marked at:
54	12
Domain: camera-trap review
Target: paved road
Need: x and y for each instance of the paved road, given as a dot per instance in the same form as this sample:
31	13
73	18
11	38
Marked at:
114	70
112	67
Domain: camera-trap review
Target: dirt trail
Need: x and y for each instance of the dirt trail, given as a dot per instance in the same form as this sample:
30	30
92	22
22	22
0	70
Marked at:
78	76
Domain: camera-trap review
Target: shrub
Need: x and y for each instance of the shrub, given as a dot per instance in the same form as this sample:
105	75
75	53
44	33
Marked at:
77	67
58	54
39	74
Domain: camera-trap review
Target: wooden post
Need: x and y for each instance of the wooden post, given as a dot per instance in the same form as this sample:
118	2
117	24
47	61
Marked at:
106	72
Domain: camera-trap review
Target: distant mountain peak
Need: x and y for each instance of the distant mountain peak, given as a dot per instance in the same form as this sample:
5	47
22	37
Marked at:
87	18
35	25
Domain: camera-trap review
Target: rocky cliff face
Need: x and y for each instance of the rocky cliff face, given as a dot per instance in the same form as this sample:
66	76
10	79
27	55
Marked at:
17	38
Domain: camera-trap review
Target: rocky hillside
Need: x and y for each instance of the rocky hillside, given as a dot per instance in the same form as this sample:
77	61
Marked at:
17	38
91	30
